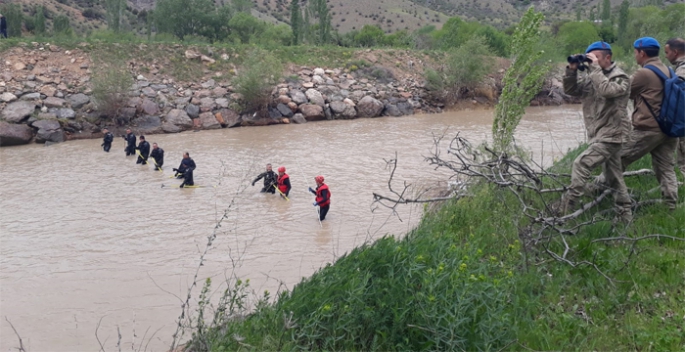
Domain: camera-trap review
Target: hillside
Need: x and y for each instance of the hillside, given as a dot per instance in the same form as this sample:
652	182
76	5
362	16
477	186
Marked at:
348	15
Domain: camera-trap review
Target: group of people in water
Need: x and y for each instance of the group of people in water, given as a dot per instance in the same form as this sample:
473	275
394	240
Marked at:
273	182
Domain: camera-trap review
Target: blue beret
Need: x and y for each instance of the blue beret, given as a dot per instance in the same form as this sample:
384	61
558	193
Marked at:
646	43
598	46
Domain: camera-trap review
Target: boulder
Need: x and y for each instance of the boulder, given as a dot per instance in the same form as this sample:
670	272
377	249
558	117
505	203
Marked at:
312	112
284	110
208	121
7	97
53	102
297	96
48	91
369	107
298	118
221	102
31	96
292	106
337	107
318	79
17	111
148	124
392	110
219	92
230	117
191	55
319	71
315	97
283	99
209	84
405	108
49	131
207	104
171	128
149	107
149	92
274	113
13	134
179	118
46	124
182	101
193	111
77	101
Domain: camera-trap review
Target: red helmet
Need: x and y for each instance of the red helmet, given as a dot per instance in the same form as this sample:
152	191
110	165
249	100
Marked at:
318	179
281	169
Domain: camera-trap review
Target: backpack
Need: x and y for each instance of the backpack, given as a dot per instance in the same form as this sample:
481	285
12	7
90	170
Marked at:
672	117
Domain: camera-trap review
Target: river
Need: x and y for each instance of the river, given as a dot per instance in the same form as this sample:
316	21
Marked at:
88	236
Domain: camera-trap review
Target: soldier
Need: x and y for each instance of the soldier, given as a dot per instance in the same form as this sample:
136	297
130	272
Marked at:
675	53
604	93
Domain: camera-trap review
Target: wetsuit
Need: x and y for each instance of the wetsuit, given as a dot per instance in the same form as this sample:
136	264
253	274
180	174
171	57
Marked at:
185	164
144	148
323	200
284	184
270	181
130	144
158	155
107	141
188	173
3	27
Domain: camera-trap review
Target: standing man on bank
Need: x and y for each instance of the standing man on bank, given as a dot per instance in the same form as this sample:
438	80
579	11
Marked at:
130	138
604	93
3	26
158	155
144	149
675	53
323	197
270	180
107	140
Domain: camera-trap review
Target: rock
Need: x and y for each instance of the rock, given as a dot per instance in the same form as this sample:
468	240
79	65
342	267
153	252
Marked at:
219	92
31	96
392	110
405	108
297	96
292	106
298	118
46	124
319	71
149	107
142	84
230	117
193	111
207	60
8	97
19	66
53	102
318	79
141	78
283	99
13	134
51	134
337	107
171	128
312	112
148	124
64	113
207	104
205	93
369	107
222	102
209	84
349	102
126	114
208	121
285	120
149	92
191	55
180	118
48	91
284	110
308	84
275	114
17	111
182	101
349	113
159	86
315	97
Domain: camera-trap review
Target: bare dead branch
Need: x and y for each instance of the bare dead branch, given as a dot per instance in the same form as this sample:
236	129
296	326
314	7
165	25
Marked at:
21	343
102	348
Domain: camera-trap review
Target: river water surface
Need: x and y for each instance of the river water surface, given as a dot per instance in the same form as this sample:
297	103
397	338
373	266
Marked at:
88	236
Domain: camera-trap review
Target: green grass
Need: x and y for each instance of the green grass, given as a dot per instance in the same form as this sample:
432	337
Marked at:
462	281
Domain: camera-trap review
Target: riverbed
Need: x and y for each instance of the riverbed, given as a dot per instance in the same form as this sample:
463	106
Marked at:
88	236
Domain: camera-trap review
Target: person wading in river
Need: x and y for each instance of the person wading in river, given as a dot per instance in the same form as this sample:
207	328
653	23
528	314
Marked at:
186	163
283	182
270	180
158	155
604	93
107	140
130	138
323	197
144	149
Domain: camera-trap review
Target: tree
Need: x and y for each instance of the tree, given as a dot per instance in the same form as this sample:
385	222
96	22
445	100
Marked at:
522	80
606	11
576	36
61	26
579	13
296	21
319	10
369	36
623	13
114	11
245	27
39	20
182	17
592	14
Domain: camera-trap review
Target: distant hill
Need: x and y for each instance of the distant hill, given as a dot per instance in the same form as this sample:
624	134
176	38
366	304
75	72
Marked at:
348	15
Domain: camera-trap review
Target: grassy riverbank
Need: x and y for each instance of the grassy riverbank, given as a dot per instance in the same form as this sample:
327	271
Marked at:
462	281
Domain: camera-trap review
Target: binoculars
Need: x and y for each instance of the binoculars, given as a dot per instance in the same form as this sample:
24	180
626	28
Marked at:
579	59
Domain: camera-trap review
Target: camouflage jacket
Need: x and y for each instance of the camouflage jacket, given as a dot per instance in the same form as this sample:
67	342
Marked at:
605	95
679	67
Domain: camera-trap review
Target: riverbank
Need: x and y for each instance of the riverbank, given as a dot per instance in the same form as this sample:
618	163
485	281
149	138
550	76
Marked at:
469	278
47	91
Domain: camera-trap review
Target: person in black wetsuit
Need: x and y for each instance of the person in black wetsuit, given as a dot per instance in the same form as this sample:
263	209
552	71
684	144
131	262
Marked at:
185	170
144	148
270	180
107	140
130	138
3	26
158	155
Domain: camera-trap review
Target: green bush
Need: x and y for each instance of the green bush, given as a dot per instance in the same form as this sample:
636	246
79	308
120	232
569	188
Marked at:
576	36
256	80
62	27
13	18
111	83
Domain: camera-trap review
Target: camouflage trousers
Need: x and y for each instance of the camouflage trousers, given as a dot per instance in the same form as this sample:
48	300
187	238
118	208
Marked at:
681	155
606	155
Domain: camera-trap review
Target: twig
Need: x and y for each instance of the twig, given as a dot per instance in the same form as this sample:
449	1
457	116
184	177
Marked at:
102	348
21	343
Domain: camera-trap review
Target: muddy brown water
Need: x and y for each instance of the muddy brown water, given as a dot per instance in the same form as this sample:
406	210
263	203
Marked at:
89	236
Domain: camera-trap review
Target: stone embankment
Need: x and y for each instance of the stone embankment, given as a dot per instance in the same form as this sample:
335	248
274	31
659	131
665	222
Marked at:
46	96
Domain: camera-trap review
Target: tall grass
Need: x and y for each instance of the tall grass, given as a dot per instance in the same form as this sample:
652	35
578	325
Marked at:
462	281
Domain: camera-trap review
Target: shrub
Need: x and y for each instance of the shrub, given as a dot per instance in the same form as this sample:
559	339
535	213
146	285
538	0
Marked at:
111	83
256	80
62	27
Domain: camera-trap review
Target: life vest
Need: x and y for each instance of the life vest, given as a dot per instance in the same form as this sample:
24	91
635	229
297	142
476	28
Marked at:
319	197
281	185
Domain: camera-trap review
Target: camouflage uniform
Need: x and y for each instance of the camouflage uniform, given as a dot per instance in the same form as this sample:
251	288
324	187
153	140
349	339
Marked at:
604	94
680	71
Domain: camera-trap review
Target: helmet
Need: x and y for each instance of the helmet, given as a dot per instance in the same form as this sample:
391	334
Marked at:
281	169
318	179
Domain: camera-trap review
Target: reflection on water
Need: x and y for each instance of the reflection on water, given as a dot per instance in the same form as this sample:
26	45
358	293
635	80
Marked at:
87	235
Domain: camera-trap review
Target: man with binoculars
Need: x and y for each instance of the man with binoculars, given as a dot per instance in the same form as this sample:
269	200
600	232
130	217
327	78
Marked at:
604	92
